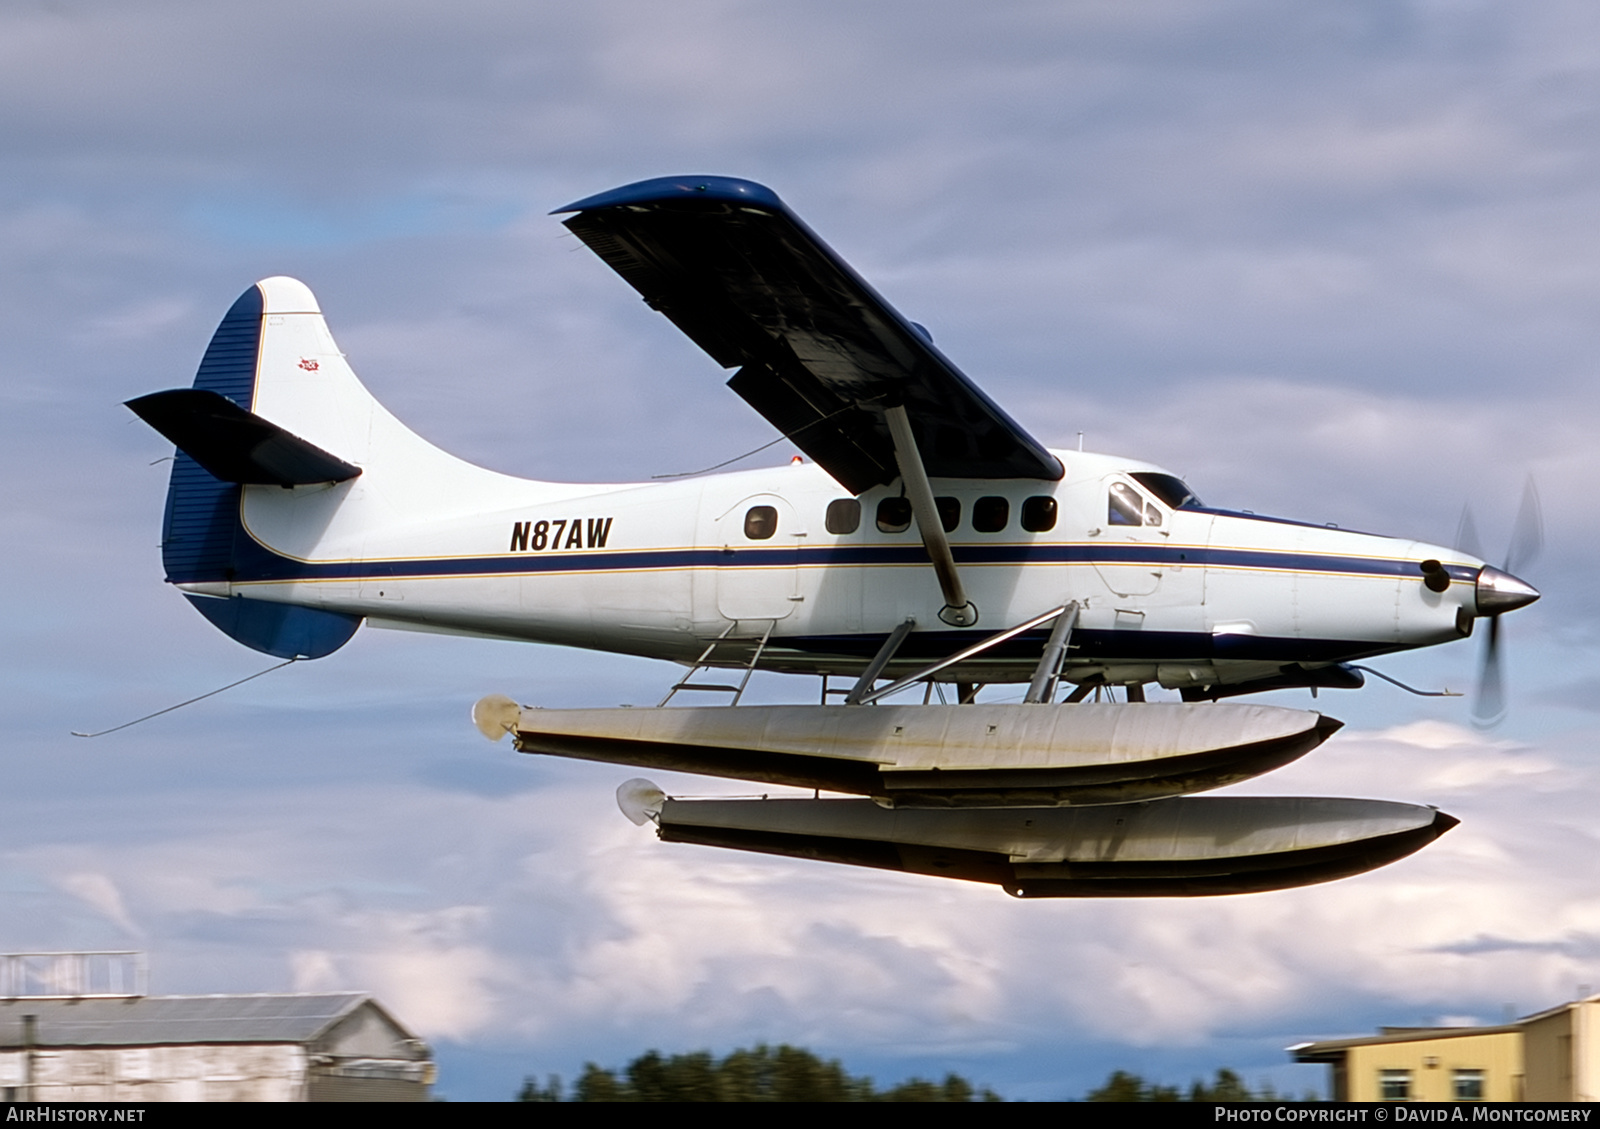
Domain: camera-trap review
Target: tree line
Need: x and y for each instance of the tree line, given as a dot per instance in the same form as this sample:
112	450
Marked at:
793	1074
762	1074
1227	1086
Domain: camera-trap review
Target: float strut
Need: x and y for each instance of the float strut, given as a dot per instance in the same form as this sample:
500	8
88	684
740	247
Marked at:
961	656
1047	674
879	661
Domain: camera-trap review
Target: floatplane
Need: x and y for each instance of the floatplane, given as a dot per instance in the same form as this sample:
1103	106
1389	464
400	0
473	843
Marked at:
924	547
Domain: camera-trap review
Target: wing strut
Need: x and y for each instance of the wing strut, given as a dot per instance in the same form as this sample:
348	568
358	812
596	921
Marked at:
958	611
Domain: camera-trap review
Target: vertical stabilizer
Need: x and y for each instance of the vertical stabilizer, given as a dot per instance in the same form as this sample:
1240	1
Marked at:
306	469
202	537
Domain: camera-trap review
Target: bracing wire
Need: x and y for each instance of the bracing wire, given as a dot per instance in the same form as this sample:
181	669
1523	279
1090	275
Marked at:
786	435
190	702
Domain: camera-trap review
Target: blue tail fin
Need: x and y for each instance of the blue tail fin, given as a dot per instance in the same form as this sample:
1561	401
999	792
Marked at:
201	534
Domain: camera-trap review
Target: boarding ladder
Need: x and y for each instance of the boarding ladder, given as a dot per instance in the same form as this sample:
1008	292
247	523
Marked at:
705	662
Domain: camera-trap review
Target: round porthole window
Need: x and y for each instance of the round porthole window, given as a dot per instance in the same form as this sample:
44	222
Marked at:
761	522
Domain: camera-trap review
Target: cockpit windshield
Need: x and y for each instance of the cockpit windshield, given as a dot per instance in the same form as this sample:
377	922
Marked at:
1169	488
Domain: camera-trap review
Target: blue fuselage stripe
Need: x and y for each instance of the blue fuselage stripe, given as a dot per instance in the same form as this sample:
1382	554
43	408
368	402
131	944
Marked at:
260	564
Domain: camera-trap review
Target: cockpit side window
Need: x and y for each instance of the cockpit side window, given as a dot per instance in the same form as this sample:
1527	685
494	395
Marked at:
1125	506
1169	488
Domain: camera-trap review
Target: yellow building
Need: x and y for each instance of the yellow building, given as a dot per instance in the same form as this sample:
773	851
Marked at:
1561	1050
1551	1056
1423	1064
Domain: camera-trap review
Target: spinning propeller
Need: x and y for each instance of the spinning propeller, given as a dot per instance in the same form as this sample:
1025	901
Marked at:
1500	591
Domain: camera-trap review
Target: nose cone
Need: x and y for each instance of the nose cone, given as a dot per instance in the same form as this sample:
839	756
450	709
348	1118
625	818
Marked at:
1501	592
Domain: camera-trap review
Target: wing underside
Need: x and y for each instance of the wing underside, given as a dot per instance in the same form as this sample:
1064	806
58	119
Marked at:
818	352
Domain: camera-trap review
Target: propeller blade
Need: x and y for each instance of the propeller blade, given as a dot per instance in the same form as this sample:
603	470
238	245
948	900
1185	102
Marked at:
1467	534
1527	534
1500	591
1489	702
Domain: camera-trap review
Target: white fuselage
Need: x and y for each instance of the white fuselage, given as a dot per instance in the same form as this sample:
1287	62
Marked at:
659	570
1168	593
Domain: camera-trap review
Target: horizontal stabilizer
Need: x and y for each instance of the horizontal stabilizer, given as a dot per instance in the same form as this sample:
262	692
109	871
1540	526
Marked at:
234	445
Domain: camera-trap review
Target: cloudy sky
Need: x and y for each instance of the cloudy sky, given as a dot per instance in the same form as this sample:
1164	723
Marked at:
1333	260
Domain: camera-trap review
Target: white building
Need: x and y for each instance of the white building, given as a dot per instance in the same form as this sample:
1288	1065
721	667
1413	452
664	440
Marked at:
328	1047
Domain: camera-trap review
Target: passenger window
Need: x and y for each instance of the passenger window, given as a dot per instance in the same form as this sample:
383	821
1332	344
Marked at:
760	523
844	516
1039	514
989	515
894	515
949	512
1126	507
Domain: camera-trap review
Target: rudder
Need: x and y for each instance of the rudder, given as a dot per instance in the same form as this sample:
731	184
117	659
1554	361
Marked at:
202	537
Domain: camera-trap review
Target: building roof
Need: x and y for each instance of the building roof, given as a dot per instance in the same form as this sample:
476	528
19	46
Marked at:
1329	1050
1558	1009
148	1020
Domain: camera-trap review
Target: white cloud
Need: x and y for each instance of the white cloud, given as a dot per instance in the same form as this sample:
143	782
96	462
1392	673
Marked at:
427	967
313	970
101	892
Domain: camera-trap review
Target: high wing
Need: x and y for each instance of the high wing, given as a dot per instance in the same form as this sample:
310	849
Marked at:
819	353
